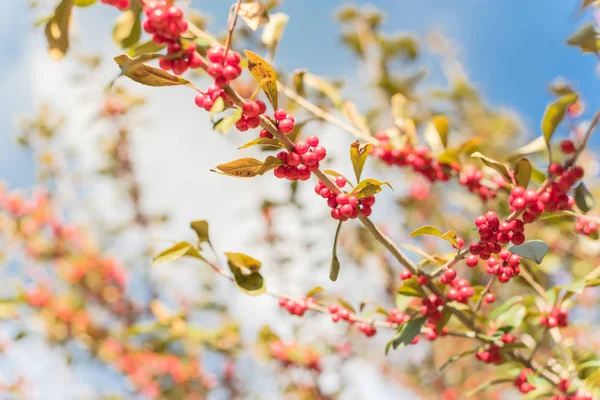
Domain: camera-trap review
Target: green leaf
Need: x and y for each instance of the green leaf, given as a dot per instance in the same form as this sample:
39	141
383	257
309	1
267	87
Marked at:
252	284
346	305
486	385
496	165
535	146
586	38
358	156
241	260
557	214
84	3
128	28
174	252
226	123
57	30
324	87
218	106
358	120
407	332
368	187
505	306
264	74
411	287
248	167
584	198
456	358
593	379
334	267
555	113
523	171
146	75
576	287
511	318
533	249
316	290
201	229
263	141
436	134
449	236
144	48
402	301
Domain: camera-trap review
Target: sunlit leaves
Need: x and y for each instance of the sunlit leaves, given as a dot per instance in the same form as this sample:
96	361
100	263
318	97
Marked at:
175	252
449	236
334	267
323	86
273	31
264	74
254	14
511	318
314	291
535	146
268	142
245	272
358	120
586	38
358	156
496	165
128	28
535	250
84	3
369	187
248	167
144	48
584	198
523	171
226	123
436	134
406	333
411	287
136	70
201	229
57	30
555	113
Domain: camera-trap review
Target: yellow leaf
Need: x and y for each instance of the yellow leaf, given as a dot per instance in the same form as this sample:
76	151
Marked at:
57	30
136	70
264	73
254	14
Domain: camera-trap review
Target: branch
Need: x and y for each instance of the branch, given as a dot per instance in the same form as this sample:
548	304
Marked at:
586	138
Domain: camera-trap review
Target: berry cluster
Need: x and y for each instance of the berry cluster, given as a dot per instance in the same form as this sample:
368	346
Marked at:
492	235
180	59
419	158
461	291
585	226
343	205
296	307
525	201
448	276
224	66
250	119
285	122
521	381
555	197
293	354
491	355
338	314
165	21
432	331
432	308
368	329
505	267
206	100
578	395
553	317
302	161
471	177
120	4
396	316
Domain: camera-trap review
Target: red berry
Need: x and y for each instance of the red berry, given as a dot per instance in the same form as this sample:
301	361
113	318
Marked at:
312	141
489	298
286	125
472	261
567	146
340	181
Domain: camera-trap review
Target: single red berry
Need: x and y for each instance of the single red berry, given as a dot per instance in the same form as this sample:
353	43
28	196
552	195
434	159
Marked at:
251	109
567	146
312	141
406	274
340	181
286	125
489	298
280	114
472	261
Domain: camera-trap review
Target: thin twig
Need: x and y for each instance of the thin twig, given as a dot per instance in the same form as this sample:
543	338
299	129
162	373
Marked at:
231	27
485	291
586	138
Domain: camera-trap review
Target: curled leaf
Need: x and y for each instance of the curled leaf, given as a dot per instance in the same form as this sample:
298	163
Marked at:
584	198
254	14
555	113
523	171
334	268
263	141
239	260
358	156
369	187
496	165
248	167
136	70
174	252
128	28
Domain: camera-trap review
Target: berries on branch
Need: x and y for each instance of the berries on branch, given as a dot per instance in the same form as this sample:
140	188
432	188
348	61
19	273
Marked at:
302	161
586	227
344	205
120	4
521	381
505	267
553	317
296	307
